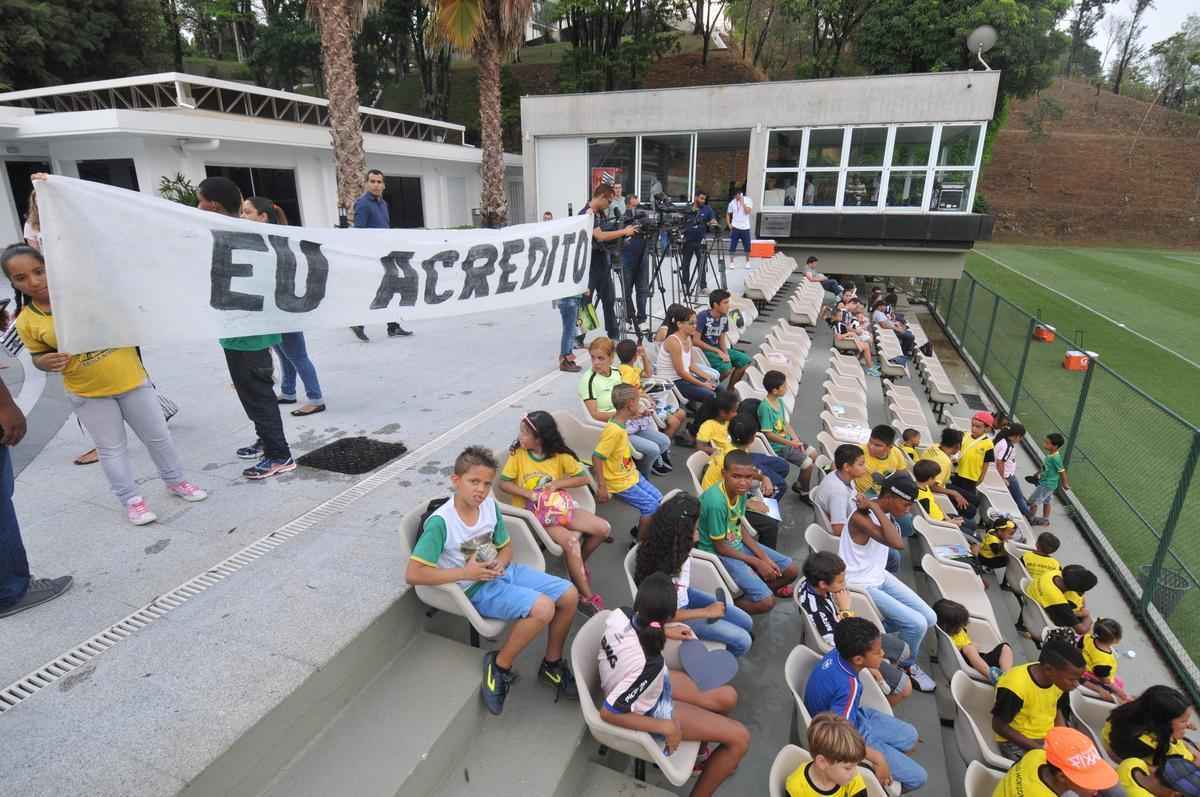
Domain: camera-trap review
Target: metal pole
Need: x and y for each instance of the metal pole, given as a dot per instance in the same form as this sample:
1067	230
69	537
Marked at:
987	345
1012	405
1164	544
967	315
1083	394
950	304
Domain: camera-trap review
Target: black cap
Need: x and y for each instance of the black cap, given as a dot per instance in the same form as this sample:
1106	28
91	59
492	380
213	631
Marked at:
811	259
901	485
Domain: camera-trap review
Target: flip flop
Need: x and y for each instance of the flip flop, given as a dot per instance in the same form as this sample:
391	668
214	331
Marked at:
301	413
83	459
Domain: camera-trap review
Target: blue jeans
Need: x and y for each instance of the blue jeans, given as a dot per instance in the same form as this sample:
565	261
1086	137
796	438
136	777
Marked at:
14	566
893	738
293	359
903	612
568	308
1014	489
748	578
775	469
736	235
693	392
733	629
652	444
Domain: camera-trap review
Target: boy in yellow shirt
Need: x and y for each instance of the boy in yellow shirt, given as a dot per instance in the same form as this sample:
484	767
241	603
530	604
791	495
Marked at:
837	750
1041	561
910	444
882	459
612	462
1061	596
1032	698
1067	764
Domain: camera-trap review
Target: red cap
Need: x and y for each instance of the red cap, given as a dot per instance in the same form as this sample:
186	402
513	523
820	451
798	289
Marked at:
984	417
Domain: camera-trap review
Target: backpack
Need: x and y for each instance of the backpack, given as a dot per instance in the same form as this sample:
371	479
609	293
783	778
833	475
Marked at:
430	508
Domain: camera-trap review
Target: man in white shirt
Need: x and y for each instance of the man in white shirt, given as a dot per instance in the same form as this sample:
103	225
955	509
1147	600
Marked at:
738	216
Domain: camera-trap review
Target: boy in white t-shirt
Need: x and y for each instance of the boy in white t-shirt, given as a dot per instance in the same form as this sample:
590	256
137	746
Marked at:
464	541
738	215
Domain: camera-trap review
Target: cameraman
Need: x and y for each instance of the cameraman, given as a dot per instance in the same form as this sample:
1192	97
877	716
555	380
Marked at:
699	219
599	275
633	263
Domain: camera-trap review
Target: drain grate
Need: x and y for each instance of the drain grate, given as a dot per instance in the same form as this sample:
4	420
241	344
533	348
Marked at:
352	455
974	401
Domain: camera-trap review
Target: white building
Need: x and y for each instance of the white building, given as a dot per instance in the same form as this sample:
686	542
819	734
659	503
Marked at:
133	132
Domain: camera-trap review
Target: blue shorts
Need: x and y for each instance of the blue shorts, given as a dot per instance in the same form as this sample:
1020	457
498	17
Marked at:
643	496
1041	496
745	576
511	597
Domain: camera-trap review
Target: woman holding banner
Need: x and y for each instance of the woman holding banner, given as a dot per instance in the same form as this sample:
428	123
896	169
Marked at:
108	389
292	350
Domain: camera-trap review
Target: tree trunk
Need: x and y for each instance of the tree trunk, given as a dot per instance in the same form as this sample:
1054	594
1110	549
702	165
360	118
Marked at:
746	27
493	201
171	17
341	83
762	35
698	27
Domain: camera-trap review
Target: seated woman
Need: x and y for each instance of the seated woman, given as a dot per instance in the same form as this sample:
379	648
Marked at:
595	390
1152	727
675	360
674	530
641	695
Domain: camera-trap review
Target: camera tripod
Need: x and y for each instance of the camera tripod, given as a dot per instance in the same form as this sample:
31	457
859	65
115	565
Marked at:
672	286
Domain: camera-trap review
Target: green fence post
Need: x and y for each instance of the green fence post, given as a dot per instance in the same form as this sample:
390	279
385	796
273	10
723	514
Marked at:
950	304
967	315
1164	544
987	344
1012	405
1083	394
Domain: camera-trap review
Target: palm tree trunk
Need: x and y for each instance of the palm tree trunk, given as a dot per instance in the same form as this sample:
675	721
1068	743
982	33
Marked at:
494	203
341	83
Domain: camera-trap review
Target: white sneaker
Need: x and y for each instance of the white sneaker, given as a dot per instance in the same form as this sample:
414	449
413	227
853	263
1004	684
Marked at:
748	266
139	514
921	679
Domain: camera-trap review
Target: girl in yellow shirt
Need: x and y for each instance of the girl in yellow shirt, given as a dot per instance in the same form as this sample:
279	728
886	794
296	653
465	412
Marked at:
1100	678
108	389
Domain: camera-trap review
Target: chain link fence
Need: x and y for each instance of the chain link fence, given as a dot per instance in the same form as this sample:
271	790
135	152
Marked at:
1130	459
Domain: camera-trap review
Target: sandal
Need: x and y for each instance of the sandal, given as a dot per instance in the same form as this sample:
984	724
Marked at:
285	401
300	413
786	591
88	458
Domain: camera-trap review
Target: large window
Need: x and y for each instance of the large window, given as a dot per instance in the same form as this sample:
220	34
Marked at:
612	160
278	185
721	162
666	166
875	168
405	205
117	172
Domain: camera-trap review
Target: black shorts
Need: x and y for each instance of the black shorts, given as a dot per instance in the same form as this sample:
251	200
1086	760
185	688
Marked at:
992	657
994	562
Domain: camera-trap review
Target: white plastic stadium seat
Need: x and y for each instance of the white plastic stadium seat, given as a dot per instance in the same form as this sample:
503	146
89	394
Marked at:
790	757
959	584
981	781
704	578
973	721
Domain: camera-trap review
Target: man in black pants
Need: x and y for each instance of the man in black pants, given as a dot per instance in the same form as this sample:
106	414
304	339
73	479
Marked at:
250	364
701	218
600	285
633	265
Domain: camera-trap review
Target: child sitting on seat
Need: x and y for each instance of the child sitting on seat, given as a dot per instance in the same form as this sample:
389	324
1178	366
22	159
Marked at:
762	573
464	542
635	366
774	423
1032	698
712	336
924	472
952	617
1100	678
990	551
539	471
742	432
911	443
836	750
612	462
1041	561
713	417
1061	595
640	694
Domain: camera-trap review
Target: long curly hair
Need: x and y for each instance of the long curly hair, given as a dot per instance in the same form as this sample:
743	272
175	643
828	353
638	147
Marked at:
1152	712
544	428
670	538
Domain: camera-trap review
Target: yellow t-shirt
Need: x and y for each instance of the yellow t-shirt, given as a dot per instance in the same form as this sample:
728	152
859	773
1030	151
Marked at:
630	374
92	374
1095	657
1177	747
716	434
879	469
1125	772
961	639
971	463
1022	780
1046	593
912	452
531	471
712	473
1039	565
925	498
991	547
936	454
613	448
800	785
1039	706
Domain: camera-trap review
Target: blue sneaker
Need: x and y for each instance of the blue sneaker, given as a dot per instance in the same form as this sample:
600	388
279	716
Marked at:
266	468
494	688
251	452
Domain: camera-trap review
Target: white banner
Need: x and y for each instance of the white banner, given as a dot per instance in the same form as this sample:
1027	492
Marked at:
130	269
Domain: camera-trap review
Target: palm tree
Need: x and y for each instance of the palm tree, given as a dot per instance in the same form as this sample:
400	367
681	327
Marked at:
338	21
490	30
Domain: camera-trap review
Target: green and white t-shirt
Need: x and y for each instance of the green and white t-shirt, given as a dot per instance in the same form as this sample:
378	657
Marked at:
447	542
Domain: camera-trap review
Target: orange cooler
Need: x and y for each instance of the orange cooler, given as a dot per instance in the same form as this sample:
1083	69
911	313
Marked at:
762	247
1044	333
1077	360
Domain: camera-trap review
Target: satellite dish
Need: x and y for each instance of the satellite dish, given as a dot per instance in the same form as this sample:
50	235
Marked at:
980	41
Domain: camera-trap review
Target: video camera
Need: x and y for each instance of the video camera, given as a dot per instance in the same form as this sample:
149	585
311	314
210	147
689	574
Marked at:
666	214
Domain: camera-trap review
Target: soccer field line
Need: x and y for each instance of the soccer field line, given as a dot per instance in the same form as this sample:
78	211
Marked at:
1092	310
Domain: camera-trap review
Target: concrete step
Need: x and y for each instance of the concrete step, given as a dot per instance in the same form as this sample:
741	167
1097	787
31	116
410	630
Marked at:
600	781
401	733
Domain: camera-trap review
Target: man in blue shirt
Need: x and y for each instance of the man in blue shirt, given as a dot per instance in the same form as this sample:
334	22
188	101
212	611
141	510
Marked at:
693	240
834	686
371	212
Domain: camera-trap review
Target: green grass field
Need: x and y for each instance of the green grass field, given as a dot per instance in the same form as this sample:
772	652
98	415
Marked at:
1129	452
